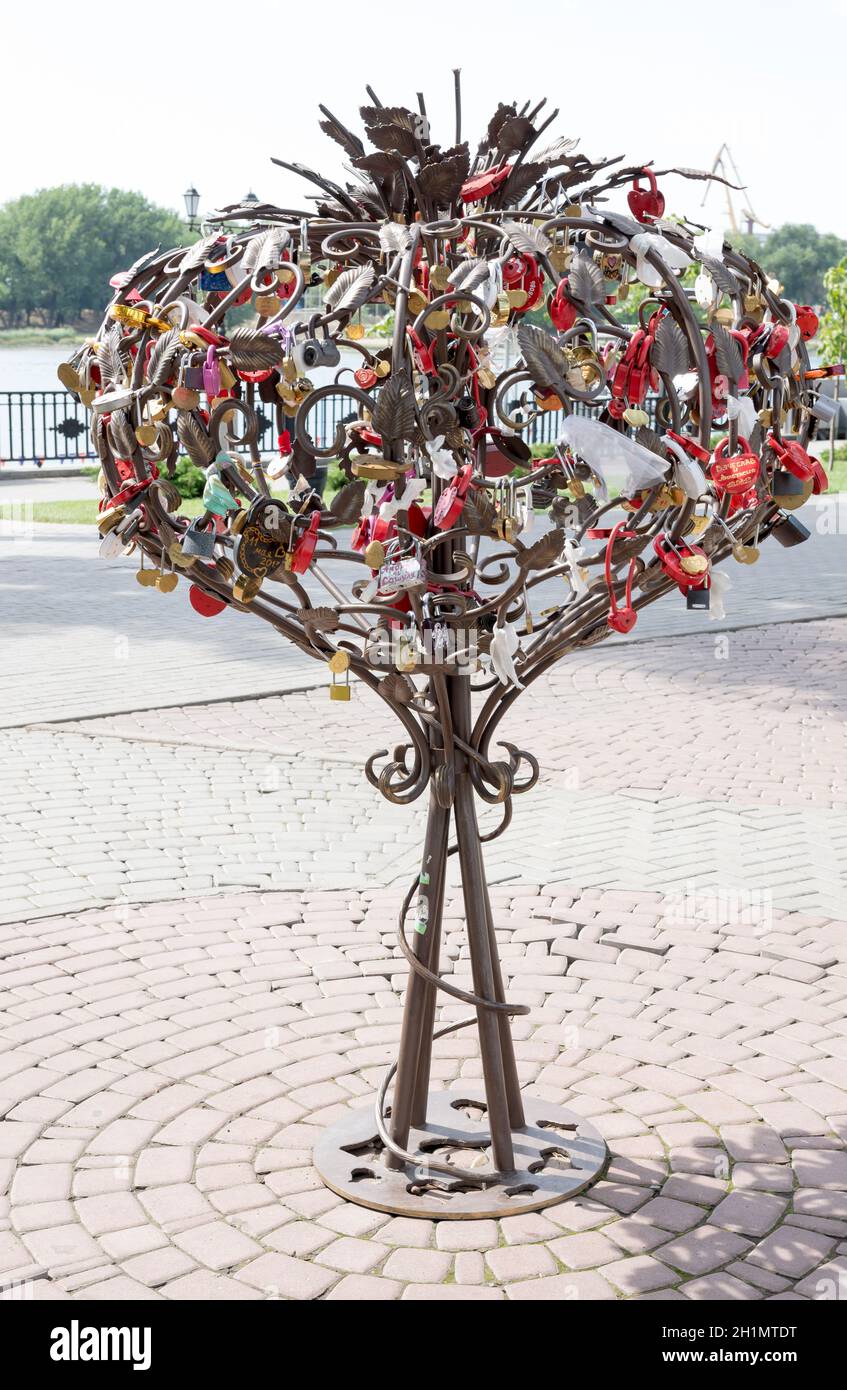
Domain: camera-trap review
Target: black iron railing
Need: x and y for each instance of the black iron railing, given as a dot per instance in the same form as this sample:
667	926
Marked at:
51	427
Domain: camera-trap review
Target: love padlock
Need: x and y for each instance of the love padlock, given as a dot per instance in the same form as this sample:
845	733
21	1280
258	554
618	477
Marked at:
645	204
205	604
792	457
563	313
687	565
483	185
734	475
211	374
620	619
299	559
633	376
449	506
365	378
807	321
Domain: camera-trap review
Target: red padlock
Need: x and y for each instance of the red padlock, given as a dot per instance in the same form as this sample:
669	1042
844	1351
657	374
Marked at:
734	475
645	204
483	185
690	446
619	619
283	443
300	557
793	457
365	378
671	557
633	376
563	313
205	604
807	321
449	506
820	481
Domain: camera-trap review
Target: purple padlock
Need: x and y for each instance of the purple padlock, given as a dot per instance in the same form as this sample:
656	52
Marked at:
212	374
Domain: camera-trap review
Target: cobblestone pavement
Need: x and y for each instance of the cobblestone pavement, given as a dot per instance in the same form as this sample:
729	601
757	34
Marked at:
211	798
165	1071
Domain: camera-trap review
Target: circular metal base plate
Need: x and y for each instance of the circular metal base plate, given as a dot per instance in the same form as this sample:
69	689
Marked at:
557	1155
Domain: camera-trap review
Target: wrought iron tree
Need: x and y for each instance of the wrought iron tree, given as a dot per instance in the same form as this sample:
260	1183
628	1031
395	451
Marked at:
438	618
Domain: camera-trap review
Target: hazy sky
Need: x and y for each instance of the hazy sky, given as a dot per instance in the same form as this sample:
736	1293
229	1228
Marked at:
159	95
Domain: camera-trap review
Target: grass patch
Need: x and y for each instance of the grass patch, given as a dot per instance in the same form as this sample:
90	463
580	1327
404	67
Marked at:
83	512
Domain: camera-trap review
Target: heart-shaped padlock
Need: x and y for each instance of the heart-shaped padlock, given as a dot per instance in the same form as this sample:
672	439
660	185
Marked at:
733	475
449	506
645	204
300	558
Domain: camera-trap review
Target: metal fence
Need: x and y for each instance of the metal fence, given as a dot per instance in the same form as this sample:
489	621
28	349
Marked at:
52	427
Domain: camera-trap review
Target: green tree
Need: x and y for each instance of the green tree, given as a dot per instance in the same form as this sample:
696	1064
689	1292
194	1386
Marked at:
59	247
797	255
833	330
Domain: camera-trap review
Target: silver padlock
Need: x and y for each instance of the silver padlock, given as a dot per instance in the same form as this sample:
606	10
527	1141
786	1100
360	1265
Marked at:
197	542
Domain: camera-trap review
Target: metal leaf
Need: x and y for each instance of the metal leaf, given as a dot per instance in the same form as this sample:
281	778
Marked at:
123	434
556	153
521	180
254	352
545	361
469	274
196	254
263	251
351	289
441	181
649	439
586	284
527	238
195	439
346	505
163	357
722	276
700	174
479	513
379	164
394	237
498	120
350	143
543	553
669	353
319	619
727	353
514	134
394	412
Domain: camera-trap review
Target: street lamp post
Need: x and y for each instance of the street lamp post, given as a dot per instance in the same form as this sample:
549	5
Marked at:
192	203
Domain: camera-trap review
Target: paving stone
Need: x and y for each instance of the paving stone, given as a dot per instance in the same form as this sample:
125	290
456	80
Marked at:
749	1213
352	1256
217	1245
511	1262
821	1168
413	1266
639	1274
452	1293
584	1251
671	1215
560	1288
791	1251
465	1235
720	1287
363	1288
281	1276
702	1250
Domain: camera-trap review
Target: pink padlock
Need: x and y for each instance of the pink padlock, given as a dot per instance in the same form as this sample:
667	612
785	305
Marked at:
212	374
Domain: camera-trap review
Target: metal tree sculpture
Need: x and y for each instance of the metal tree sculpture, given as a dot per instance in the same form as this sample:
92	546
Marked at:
442	493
